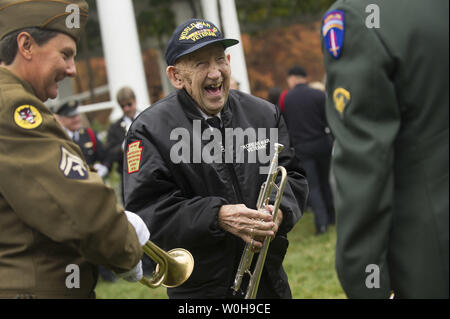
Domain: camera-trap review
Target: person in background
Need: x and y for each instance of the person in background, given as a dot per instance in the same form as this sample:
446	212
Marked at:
273	95
281	100
234	84
304	113
118	130
317	85
92	147
387	106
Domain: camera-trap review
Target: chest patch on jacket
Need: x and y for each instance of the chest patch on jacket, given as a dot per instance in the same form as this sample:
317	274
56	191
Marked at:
134	156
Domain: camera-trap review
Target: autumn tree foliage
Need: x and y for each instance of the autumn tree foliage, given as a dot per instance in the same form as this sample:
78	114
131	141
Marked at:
270	54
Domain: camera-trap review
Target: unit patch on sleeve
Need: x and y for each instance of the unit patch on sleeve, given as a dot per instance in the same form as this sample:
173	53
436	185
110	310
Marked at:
134	156
72	166
333	31
27	117
341	98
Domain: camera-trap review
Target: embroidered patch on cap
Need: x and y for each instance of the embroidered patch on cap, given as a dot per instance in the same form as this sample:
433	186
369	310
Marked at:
27	117
72	166
198	30
134	156
333	31
341	98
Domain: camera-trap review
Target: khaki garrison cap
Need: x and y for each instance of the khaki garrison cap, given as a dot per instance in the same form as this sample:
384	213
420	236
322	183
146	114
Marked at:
67	16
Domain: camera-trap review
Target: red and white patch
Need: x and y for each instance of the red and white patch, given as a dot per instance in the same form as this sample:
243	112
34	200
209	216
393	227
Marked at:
134	156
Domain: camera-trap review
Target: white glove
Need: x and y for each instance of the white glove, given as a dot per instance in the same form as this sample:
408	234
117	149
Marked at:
102	170
141	229
143	235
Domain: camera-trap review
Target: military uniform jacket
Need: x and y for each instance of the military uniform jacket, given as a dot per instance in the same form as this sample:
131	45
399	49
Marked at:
55	214
91	147
388	108
179	194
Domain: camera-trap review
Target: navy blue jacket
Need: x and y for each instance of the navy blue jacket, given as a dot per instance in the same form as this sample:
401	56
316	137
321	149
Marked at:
305	117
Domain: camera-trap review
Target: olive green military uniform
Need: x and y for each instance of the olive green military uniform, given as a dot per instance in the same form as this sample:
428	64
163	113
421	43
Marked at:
57	218
388	106
53	211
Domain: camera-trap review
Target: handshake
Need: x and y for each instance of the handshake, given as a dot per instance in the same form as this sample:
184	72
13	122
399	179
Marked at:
143	234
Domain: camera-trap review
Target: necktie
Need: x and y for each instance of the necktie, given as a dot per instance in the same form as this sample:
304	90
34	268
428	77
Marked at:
214	122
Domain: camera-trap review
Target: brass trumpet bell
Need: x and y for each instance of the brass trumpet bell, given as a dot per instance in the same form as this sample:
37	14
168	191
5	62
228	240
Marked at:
173	267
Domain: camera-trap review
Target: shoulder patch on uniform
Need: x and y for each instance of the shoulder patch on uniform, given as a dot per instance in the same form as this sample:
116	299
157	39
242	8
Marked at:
134	155
341	98
72	166
333	32
27	117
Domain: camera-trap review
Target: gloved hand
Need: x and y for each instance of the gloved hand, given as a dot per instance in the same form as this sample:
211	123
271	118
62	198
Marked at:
141	229
143	234
101	169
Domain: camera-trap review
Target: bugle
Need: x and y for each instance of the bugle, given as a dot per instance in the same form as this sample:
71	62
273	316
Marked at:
263	199
173	267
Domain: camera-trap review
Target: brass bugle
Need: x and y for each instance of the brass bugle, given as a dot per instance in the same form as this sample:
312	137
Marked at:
173	267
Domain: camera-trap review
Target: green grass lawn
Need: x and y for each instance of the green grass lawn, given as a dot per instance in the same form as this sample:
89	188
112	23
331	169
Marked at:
309	264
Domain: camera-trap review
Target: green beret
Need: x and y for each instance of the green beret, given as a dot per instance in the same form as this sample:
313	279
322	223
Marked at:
66	16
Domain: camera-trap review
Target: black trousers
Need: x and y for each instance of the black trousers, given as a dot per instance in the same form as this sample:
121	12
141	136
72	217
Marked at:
317	169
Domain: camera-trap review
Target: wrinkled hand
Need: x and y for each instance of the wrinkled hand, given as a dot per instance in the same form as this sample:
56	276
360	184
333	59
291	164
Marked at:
250	225
279	216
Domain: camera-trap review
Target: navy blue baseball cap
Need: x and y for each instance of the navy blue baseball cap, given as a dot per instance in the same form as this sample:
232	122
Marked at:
193	35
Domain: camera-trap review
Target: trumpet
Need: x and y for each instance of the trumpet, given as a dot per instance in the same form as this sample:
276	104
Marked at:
263	199
173	267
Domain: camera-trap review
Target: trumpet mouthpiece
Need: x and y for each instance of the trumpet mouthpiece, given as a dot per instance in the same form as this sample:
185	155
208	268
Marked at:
278	147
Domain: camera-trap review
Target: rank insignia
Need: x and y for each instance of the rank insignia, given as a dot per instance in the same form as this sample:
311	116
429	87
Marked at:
134	156
72	166
341	98
27	117
333	31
